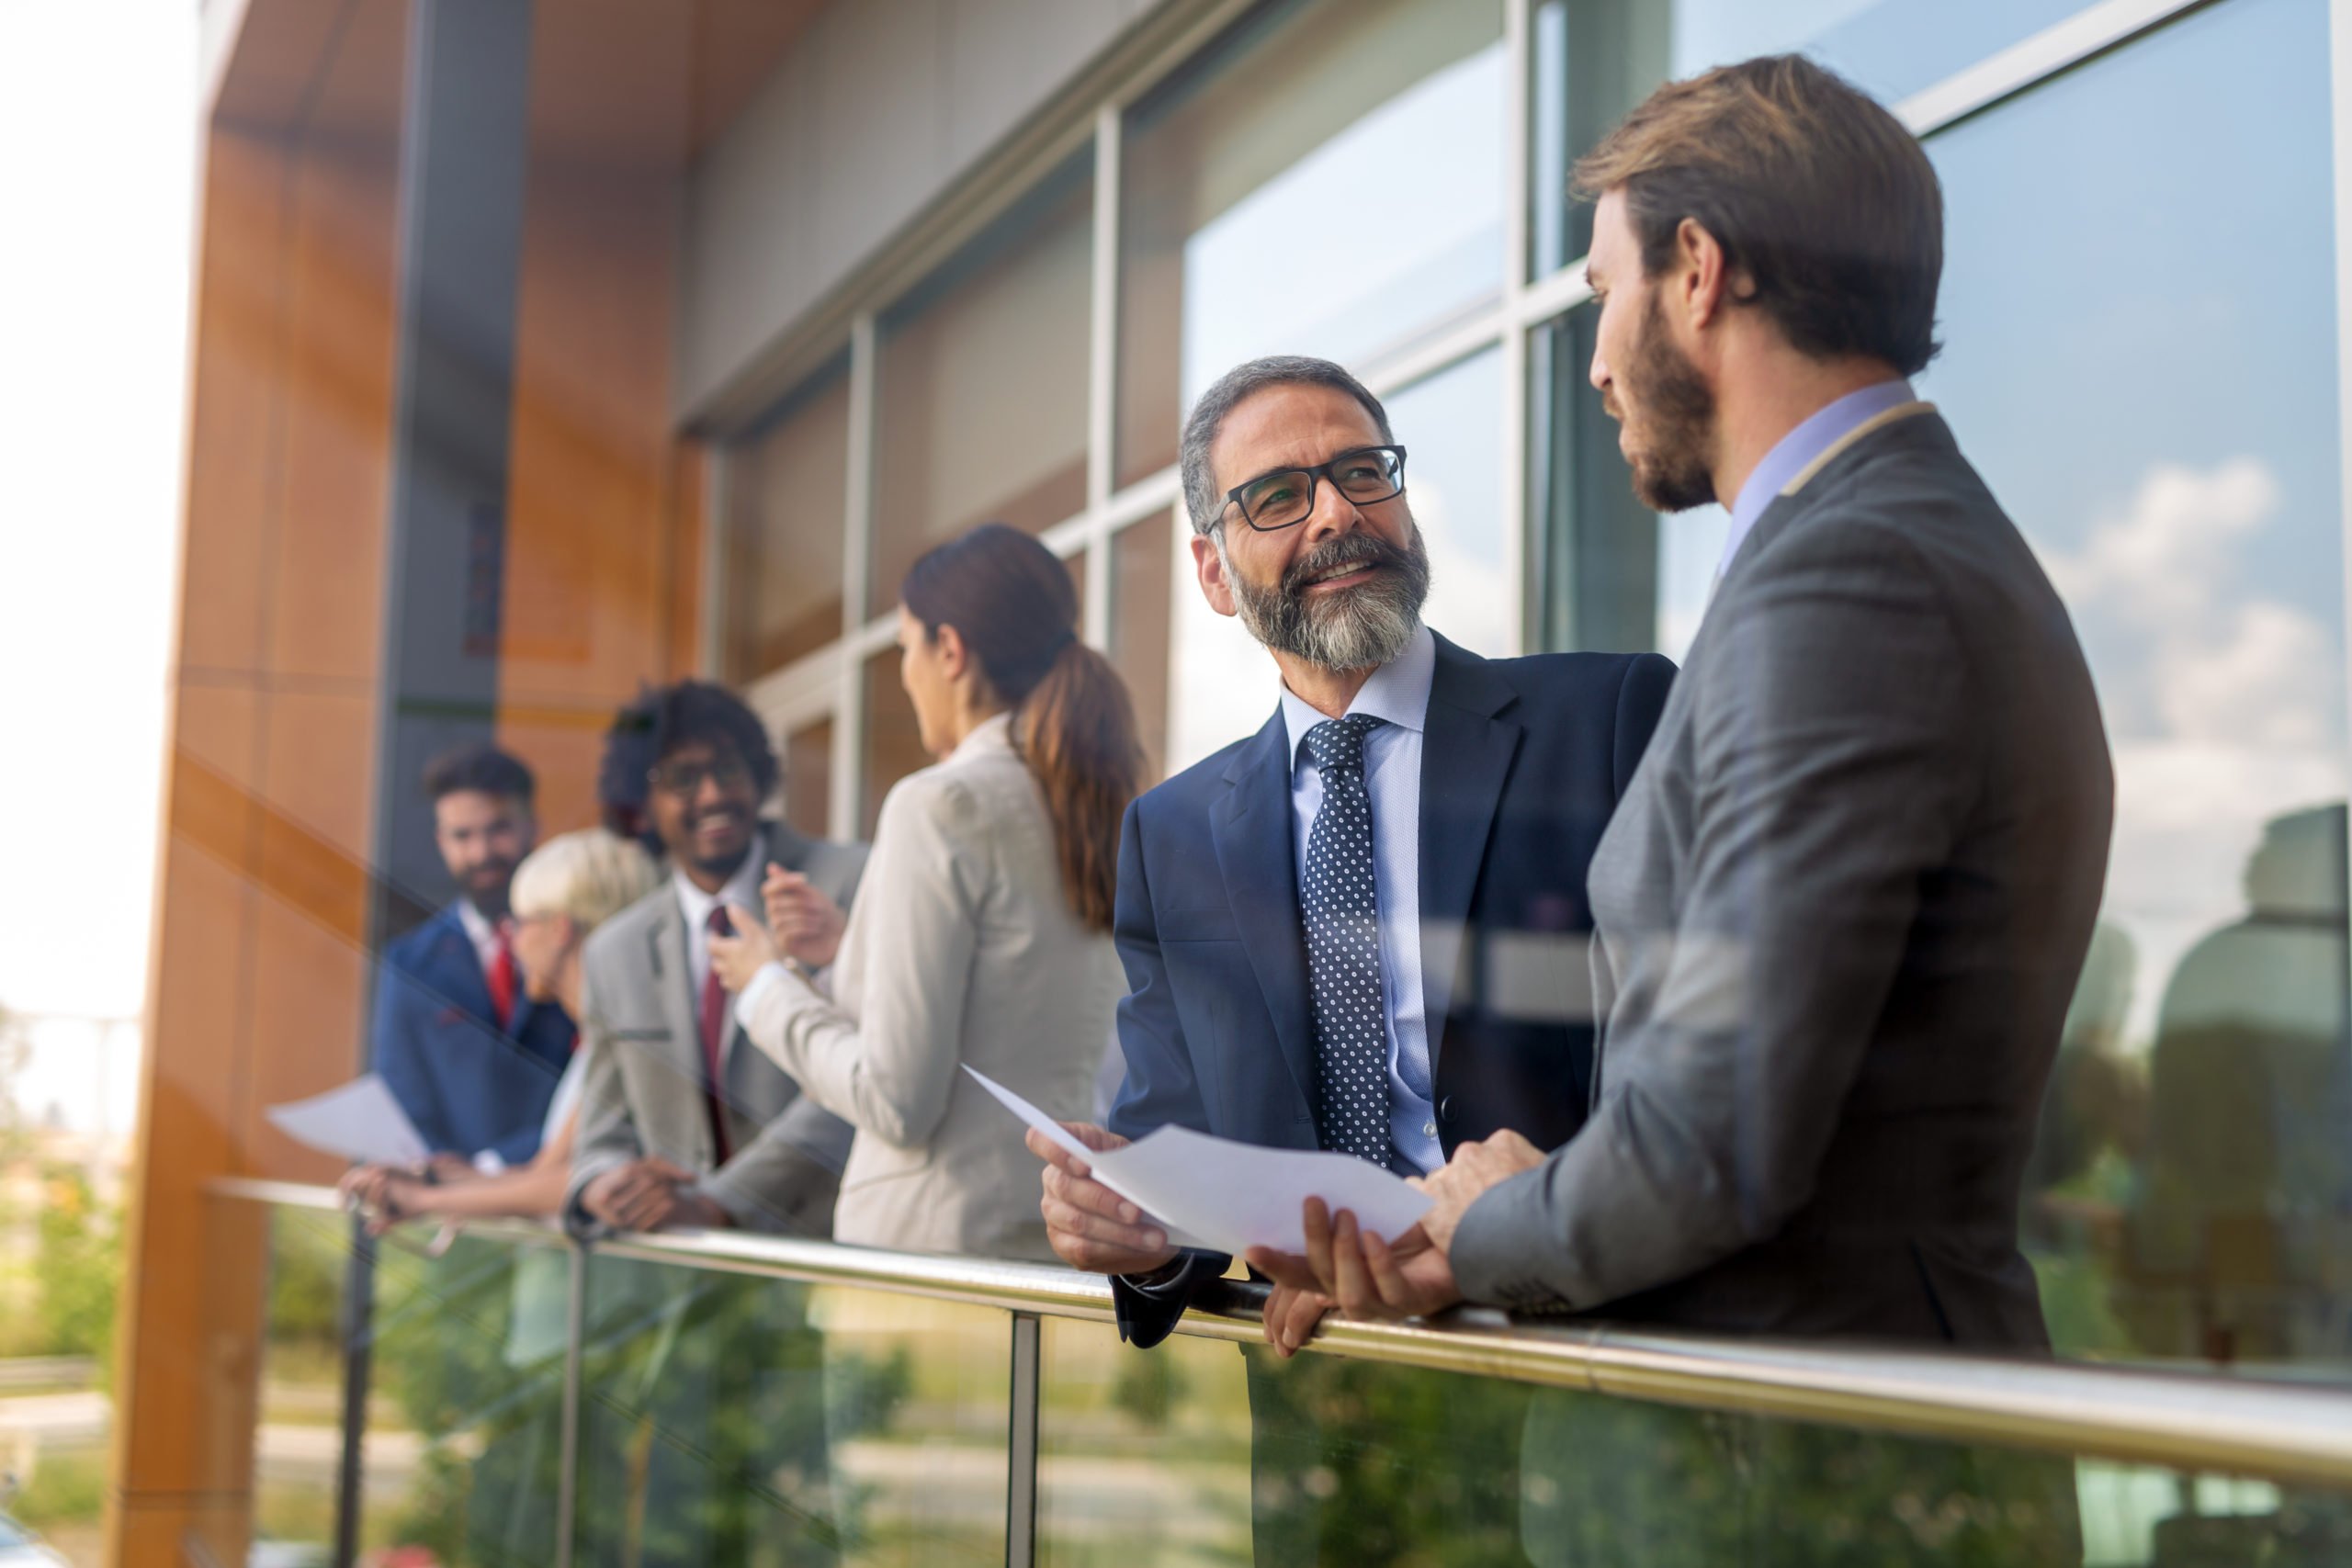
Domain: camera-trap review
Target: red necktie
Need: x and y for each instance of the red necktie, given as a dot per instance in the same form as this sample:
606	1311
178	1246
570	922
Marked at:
501	976
714	1025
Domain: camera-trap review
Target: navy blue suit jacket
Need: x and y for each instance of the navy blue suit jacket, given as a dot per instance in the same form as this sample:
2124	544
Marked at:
467	1085
1522	762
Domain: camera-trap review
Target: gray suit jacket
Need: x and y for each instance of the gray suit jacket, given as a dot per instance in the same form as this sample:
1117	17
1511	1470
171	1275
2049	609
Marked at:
643	1094
1840	914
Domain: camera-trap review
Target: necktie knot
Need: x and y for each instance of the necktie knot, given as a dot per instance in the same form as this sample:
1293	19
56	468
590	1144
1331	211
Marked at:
718	921
1337	744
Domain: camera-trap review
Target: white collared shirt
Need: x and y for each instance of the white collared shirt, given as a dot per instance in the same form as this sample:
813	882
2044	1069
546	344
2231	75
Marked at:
481	933
743	889
1397	693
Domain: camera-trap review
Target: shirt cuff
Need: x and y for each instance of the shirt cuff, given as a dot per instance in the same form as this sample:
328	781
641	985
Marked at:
770	975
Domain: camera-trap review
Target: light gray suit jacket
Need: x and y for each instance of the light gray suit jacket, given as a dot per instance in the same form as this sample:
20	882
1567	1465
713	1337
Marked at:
1840	913
644	1094
963	949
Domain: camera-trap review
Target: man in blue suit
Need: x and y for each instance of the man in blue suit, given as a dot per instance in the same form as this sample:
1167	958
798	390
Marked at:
1364	928
466	1051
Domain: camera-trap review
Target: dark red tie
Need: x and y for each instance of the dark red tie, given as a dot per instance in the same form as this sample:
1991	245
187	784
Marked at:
714	1027
502	976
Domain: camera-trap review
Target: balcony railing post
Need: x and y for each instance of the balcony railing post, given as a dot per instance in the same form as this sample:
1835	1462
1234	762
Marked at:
1021	1487
575	1331
358	1333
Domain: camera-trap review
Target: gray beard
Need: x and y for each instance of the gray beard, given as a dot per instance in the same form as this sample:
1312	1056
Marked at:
1359	629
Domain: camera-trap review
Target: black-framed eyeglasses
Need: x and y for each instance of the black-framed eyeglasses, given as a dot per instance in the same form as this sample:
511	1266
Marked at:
683	778
1286	498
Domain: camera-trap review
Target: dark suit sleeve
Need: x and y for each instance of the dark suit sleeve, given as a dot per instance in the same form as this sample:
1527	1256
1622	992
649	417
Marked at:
1160	1088
1641	698
402	1017
1832	765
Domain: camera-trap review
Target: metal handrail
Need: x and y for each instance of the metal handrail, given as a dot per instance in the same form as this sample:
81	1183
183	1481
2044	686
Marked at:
2181	1420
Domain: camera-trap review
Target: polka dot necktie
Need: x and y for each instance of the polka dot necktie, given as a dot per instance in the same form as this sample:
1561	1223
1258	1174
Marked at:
1341	907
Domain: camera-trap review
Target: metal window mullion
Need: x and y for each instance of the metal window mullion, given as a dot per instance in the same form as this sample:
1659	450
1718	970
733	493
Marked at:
1103	374
857	533
1519	67
2339	39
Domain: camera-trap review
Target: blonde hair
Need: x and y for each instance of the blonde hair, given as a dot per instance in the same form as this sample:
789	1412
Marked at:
588	876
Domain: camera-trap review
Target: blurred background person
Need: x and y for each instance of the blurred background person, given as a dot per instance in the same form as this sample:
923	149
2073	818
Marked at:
2239	1230
983	929
563	890
678	1126
470	1056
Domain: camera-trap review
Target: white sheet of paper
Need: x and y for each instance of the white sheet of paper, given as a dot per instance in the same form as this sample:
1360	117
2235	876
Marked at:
359	1121
1228	1197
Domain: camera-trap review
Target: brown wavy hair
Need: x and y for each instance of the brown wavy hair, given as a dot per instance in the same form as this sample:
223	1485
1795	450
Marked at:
1010	601
1812	190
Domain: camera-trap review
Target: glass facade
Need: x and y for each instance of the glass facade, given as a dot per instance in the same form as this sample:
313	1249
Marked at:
2165	435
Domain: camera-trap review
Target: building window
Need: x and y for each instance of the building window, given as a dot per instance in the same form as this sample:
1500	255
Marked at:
982	388
1327	180
786	488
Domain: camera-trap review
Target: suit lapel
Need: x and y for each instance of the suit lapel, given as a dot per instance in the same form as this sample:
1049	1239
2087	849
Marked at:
1251	825
673	978
1466	753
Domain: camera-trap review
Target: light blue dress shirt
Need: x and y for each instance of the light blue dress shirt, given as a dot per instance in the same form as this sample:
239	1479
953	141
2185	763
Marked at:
1793	452
1399	691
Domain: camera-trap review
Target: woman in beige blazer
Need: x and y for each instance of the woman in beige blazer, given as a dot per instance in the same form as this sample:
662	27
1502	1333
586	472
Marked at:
981	932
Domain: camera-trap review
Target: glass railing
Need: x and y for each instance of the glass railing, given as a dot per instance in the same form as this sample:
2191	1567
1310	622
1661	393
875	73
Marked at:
718	1399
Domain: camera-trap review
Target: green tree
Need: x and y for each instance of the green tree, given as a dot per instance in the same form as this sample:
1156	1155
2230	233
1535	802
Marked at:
78	1263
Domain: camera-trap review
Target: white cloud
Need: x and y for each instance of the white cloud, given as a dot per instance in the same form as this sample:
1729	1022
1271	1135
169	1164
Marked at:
2186	653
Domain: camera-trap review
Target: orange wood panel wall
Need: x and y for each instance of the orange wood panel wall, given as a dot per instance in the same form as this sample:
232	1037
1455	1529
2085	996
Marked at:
257	970
256	967
603	517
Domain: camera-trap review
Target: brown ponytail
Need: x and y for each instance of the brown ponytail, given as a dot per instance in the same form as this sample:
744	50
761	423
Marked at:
1011	603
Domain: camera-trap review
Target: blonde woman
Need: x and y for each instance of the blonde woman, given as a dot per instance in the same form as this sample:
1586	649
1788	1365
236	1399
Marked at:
982	930
564	889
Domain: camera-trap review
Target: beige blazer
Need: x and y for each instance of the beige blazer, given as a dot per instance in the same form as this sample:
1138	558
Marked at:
961	948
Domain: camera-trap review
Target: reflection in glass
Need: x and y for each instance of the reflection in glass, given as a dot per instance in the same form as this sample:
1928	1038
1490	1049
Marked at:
893	739
299	1408
729	1420
808	754
1326	180
786	492
1454	423
1594	59
1142	559
2189	506
1611	576
465	1436
981	397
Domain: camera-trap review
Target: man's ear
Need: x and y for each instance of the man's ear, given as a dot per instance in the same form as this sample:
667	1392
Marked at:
1703	279
1209	564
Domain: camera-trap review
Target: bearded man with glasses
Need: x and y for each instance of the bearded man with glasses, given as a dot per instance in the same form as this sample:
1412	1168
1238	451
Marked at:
1364	928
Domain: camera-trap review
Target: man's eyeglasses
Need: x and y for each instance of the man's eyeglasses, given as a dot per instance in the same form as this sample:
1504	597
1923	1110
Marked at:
684	778
1286	499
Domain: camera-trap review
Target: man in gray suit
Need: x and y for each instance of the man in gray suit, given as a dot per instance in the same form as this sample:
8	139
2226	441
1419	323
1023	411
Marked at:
682	1121
1844	899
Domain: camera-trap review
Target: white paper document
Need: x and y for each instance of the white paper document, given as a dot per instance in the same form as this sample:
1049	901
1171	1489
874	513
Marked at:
1228	1197
359	1121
